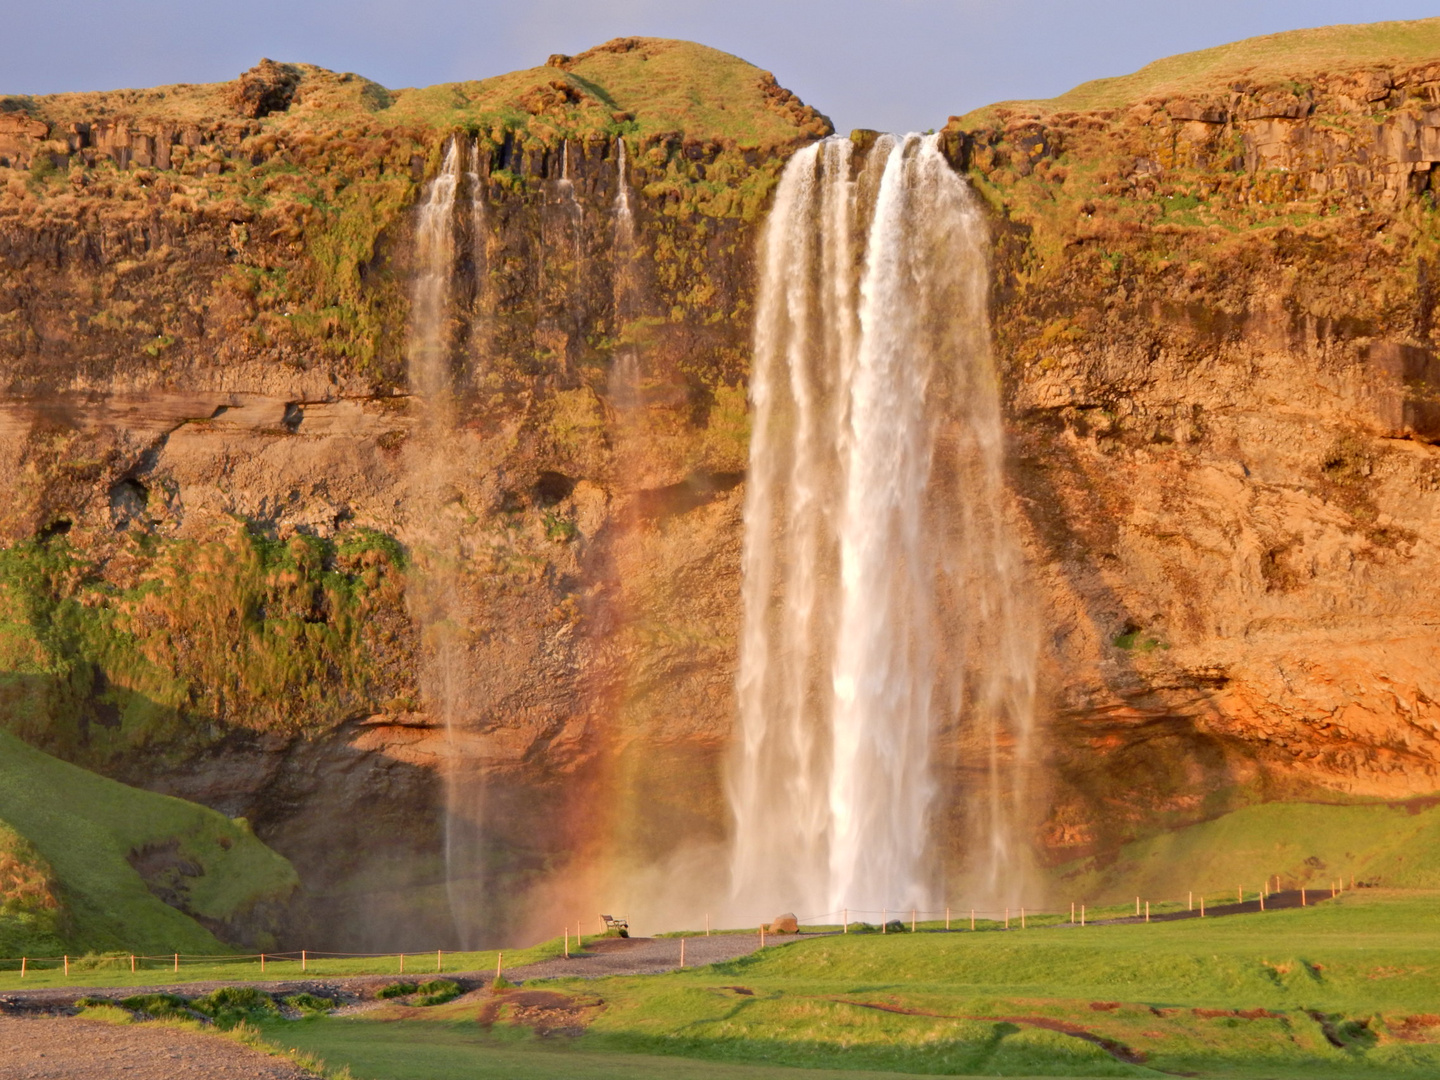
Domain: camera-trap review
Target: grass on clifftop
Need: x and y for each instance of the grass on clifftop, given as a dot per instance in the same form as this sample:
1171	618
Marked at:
634	86
72	832
1335	991
1289	55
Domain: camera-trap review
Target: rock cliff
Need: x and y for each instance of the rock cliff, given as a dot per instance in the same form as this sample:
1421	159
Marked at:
1214	302
227	508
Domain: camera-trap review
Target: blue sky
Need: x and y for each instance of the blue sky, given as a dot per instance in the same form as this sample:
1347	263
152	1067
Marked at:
897	65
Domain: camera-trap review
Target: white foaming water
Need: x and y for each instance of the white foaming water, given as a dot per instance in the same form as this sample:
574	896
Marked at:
436	595
882	625
624	218
429	340
624	379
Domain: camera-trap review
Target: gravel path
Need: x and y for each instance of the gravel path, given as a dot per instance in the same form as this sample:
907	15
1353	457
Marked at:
607	956
71	1048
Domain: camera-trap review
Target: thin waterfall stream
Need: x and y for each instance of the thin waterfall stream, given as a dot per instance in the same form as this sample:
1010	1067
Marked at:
887	665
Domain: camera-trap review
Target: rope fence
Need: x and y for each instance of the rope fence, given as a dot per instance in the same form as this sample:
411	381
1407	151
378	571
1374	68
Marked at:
843	921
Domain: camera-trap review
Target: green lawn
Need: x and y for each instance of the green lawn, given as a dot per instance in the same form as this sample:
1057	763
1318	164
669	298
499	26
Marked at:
1264	995
83	826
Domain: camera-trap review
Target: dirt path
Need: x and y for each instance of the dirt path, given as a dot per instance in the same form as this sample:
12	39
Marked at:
70	1048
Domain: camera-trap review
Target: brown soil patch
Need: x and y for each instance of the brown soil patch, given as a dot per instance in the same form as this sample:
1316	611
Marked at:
1423	1028
546	1012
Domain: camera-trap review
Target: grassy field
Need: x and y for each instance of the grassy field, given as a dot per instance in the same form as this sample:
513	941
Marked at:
1344	989
70	834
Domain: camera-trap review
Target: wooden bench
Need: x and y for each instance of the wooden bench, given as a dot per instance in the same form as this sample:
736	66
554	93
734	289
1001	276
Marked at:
612	923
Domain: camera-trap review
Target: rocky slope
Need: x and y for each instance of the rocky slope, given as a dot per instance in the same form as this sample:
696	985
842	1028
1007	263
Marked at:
246	562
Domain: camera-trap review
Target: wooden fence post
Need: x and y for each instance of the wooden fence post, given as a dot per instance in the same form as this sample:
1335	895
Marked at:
67	966
1022	918
22	967
1202	905
437	961
682	952
884	918
1137	907
972	918
707	924
1072	912
1147	910
304	959
177	963
402	963
262	963
947	918
846	923
1302	896
567	943
1082	914
499	959
1192	901
132	963
912	920
1262	899
1007	918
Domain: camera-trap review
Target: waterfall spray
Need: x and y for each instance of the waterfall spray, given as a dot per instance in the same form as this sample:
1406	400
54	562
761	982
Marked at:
882	622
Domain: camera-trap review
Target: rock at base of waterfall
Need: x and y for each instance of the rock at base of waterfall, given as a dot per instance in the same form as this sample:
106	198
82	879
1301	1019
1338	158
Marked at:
785	924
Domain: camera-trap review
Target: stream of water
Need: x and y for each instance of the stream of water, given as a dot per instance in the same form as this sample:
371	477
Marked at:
886	678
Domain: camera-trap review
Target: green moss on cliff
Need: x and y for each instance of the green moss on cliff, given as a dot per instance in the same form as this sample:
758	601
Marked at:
174	642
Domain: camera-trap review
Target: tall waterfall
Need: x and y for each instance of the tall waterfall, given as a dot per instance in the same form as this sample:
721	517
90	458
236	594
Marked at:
885	651
442	235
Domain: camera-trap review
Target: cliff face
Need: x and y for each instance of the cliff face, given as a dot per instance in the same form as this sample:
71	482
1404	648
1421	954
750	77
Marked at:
235	568
247	562
1215	304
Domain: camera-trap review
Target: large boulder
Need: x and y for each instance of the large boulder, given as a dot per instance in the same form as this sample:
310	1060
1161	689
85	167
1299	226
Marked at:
785	924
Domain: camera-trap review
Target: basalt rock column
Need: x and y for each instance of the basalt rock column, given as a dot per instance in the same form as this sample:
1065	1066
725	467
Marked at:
887	669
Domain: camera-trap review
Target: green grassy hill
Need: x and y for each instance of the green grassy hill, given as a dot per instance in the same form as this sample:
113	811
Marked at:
67	883
631	86
1294	54
1307	844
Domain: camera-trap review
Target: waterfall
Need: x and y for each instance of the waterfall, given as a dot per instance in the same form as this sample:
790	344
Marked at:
885	650
436	471
624	218
429	337
624	381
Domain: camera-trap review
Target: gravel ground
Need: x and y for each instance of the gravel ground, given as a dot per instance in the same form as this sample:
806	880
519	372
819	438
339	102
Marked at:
34	1046
70	1048
648	956
607	956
